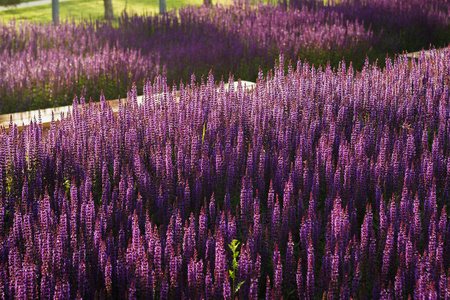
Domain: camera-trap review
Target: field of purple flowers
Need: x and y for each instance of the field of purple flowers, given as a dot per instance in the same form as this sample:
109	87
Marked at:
335	183
403	25
45	66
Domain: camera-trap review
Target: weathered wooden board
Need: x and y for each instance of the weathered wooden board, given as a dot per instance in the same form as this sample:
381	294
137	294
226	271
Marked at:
25	118
427	53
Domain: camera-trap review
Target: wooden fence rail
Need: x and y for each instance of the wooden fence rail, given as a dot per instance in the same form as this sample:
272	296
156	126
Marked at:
25	118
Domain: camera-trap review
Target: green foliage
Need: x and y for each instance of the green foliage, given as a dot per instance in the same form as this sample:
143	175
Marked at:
204	132
235	288
67	185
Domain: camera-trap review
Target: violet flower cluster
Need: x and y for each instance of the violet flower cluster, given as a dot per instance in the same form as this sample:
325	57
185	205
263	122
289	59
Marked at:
403	25
242	38
42	65
336	184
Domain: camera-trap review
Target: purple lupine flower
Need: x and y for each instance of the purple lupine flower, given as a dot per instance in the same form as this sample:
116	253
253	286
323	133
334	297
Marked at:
410	149
387	254
310	288
108	277
200	278
393	214
356	280
401	240
2	207
257	226
366	232
270	201
46	290
334	275
262	172
253	295
62	289
30	277
386	293
172	262
399	284
443	221
191	278
277	277
220	269
232	227
256	271
289	266
269	292
226	289
209	287
164	291
202	230
383	218
245	201
288	212
432	245
227	204
417	227
157	258
212	209
275	221
244	270
299	279
443	287
189	240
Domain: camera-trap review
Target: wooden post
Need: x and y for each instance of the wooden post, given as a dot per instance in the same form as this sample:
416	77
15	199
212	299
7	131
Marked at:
162	6
109	12
55	12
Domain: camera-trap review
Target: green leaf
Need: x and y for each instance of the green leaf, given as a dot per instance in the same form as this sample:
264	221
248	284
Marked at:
238	286
67	184
204	131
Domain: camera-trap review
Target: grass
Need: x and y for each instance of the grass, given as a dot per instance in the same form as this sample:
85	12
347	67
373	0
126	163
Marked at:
85	9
